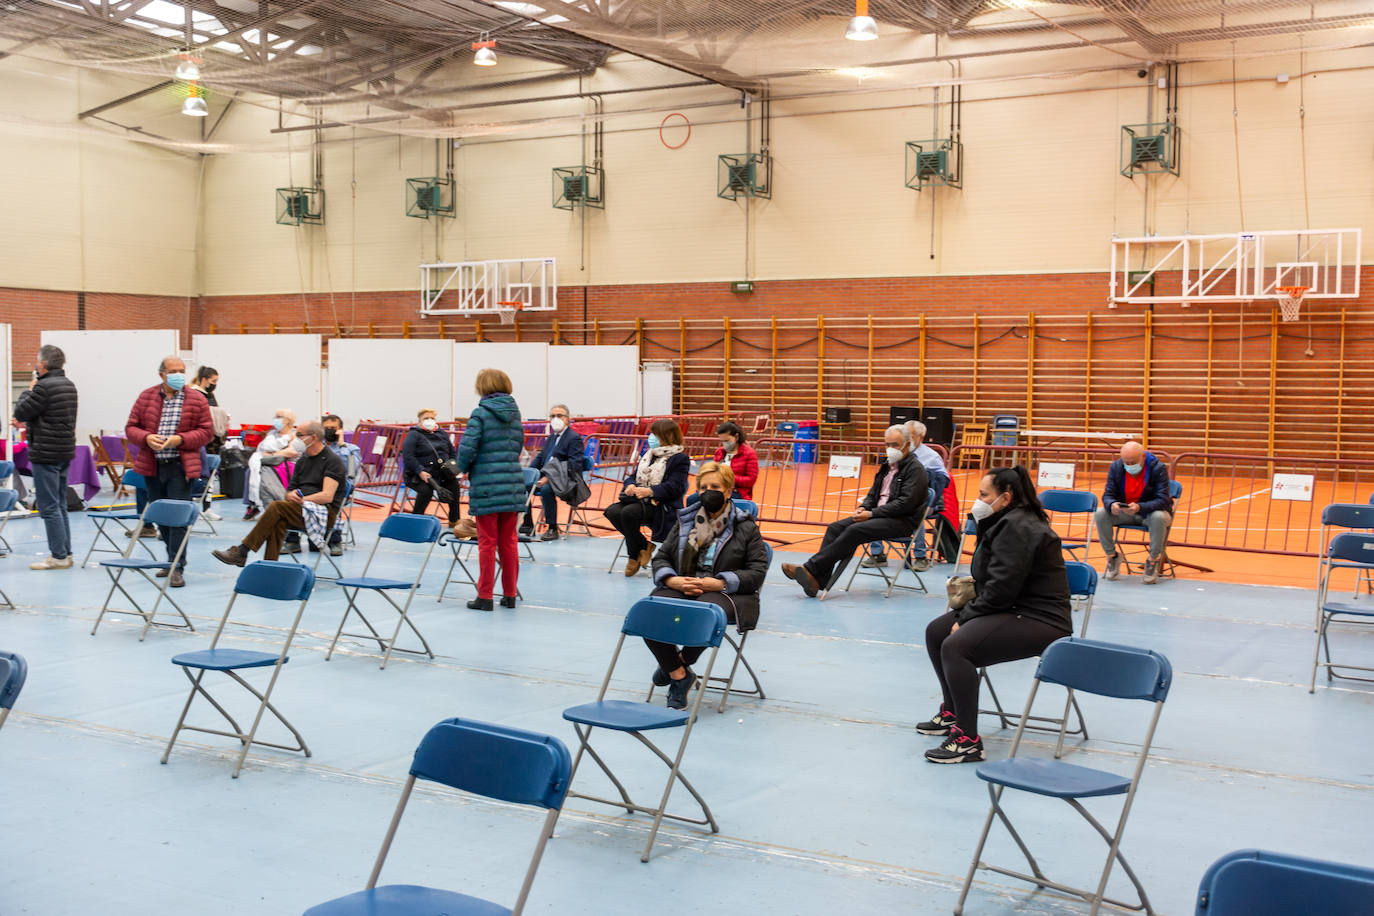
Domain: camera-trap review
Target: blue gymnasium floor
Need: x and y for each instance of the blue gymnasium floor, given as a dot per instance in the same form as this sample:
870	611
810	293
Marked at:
824	801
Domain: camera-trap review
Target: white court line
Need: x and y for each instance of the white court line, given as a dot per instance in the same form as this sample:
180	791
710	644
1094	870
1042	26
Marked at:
1229	501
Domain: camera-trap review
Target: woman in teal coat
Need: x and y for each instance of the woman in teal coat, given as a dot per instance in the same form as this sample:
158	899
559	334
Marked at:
489	453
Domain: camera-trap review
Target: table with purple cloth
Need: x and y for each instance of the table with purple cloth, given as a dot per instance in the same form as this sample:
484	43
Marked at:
82	470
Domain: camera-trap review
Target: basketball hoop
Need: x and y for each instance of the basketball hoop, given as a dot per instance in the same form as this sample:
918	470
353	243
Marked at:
1290	301
506	310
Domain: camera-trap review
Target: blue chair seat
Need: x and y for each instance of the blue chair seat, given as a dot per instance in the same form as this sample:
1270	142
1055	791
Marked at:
625	715
125	514
226	659
1053	778
406	900
1357	608
372	582
131	563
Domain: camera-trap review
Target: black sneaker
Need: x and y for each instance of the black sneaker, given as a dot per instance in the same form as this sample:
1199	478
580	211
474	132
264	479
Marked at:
939	724
526	530
660	677
678	690
481	604
550	535
336	550
508	601
958	748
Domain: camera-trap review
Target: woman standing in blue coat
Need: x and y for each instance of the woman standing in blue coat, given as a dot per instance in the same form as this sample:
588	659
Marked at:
489	453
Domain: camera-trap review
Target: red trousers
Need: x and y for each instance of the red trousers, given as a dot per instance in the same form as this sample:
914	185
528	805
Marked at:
496	535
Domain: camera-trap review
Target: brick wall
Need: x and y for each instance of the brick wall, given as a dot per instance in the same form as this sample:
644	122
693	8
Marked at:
32	311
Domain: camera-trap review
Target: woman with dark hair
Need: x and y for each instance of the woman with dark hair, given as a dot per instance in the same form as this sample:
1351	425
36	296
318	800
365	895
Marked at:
652	494
744	461
1020	607
205	381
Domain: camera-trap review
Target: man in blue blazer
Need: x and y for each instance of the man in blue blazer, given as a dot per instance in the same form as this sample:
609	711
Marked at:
565	444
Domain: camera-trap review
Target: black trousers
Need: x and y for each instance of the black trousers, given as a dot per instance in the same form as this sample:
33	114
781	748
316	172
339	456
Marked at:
669	656
424	492
627	518
988	640
170	483
842	538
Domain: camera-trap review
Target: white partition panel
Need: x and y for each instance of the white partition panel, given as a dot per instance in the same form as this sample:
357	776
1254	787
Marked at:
109	369
7	373
259	373
527	364
389	380
595	381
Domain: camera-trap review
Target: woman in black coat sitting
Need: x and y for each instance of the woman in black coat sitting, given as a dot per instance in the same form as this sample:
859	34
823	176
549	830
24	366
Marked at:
652	494
1021	606
426	453
714	553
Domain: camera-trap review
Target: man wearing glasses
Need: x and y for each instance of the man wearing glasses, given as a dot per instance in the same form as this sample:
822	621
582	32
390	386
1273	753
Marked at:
564	446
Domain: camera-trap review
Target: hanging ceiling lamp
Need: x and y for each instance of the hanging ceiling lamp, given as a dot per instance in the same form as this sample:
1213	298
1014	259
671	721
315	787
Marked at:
189	68
195	106
485	56
861	27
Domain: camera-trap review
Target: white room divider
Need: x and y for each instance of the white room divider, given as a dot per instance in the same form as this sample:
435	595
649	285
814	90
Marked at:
527	364
109	369
7	373
259	373
595	381
389	380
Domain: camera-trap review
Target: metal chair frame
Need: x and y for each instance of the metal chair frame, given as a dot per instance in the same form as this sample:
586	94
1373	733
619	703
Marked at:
1166	566
1348	550
461	560
14	671
116	569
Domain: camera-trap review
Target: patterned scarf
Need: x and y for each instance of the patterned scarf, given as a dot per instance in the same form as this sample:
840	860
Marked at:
704	532
651	469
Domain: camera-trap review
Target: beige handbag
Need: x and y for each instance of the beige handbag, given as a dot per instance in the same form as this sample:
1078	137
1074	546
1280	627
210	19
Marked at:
961	590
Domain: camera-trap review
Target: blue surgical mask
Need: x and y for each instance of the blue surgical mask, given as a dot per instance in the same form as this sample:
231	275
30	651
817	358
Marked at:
278	423
653	441
176	380
1134	468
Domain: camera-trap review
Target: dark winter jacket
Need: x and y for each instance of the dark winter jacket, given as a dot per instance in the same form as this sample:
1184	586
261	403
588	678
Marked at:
667	495
1019	569
741	560
49	409
489	453
1156	496
907	498
422	450
567	446
195	429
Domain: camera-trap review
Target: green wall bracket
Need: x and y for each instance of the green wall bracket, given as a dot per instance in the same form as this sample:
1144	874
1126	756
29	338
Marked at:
1149	149
300	206
577	186
426	197
744	175
934	162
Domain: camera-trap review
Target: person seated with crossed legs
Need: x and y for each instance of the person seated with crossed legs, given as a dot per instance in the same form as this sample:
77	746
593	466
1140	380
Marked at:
939	481
714	553
563	444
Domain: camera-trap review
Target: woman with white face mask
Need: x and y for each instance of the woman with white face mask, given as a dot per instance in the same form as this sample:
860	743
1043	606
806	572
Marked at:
1021	606
277	447
426	454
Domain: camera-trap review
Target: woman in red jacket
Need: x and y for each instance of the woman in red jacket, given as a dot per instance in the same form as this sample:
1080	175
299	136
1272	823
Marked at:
744	461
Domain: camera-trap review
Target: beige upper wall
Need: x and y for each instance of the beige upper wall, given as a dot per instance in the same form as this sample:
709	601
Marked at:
1041	185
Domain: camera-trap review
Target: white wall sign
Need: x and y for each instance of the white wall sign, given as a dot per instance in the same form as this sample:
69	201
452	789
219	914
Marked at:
1296	487
844	466
1049	474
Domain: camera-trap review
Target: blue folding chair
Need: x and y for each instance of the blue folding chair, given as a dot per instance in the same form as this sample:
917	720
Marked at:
1353	516
462	554
1100	668
1082	590
1005	432
275	581
907	554
493	761
167	513
680	623
13	672
1071	503
1355	551
121	519
9	499
1252	882
406	529
1166	566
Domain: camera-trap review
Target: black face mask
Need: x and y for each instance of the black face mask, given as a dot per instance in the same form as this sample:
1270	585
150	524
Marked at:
210	389
712	501
331	435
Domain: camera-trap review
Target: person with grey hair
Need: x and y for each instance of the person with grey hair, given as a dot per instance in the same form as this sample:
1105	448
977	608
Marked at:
565	445
312	501
894	506
939	479
49	409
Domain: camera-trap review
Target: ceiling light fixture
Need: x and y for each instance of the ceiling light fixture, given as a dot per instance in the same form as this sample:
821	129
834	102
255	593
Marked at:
861	27
195	106
188	69
485	56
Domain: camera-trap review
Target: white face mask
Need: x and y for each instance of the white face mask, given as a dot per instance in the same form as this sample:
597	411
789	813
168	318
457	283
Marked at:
558	424
894	455
980	510
430	424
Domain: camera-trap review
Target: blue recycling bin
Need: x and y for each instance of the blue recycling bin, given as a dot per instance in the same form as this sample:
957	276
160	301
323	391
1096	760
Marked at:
805	452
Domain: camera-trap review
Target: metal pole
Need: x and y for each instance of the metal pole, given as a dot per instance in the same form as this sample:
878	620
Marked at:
1273	376
1145	381
1030	372
868	389
1340	388
1088	377
773	367
682	365
725	382
974	372
820	365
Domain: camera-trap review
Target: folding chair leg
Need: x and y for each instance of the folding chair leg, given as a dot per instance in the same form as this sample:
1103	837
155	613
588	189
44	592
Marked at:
149	616
404	620
997	709
246	739
353	609
619	547
584	744
730	681
1113	854
674	774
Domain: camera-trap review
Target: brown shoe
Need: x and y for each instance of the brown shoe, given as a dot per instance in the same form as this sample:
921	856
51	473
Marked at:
646	557
802	576
178	581
631	566
465	529
234	556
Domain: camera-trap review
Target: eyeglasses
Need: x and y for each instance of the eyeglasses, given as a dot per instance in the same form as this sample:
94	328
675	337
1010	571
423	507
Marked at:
558	416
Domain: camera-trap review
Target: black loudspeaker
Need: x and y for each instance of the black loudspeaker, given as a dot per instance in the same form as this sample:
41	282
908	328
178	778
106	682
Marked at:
837	415
896	415
939	423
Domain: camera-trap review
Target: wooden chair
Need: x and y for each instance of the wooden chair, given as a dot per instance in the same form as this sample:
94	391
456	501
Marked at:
110	467
973	435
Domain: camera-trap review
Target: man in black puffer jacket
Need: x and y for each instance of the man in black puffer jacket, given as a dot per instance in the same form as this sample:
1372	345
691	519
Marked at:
49	409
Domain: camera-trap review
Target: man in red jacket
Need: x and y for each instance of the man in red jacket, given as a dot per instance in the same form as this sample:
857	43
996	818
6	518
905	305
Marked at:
170	424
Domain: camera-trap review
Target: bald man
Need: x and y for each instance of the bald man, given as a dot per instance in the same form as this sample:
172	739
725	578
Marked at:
1137	493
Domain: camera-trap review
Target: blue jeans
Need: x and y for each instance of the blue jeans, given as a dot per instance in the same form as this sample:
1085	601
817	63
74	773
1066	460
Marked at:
170	483
50	493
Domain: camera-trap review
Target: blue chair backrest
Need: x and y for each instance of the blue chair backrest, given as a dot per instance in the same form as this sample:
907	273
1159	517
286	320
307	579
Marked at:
133	479
1082	578
970	526
531	476
413	529
1350	547
676	621
768	549
1349	515
7	470
8	500
1106	669
13	672
1006	421
1252	882
592	451
1069	500
276	580
1175	489
747	506
525	768
173	513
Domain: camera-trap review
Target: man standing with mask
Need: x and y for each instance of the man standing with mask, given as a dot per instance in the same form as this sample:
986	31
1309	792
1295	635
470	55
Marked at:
1137	493
170	424
563	444
894	506
49	409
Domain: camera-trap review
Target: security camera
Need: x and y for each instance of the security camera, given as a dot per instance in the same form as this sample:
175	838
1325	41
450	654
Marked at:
1142	73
